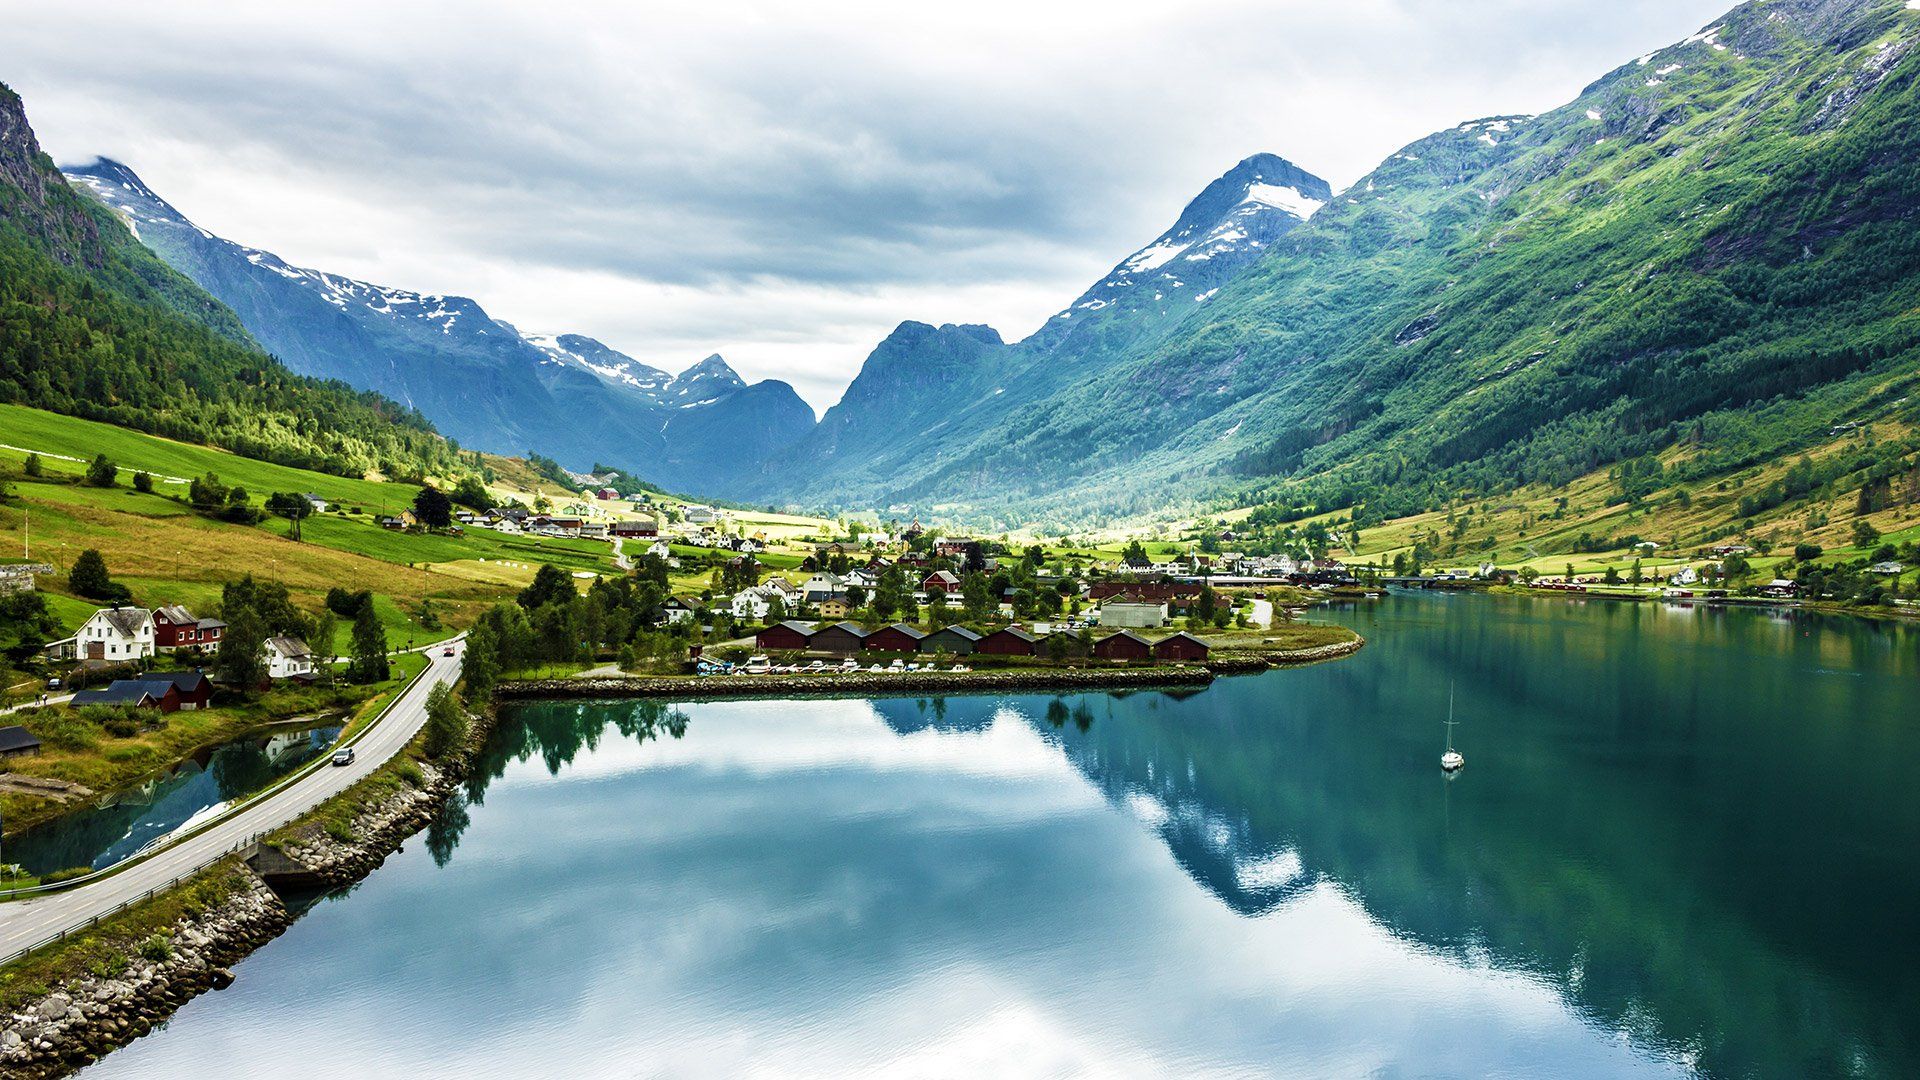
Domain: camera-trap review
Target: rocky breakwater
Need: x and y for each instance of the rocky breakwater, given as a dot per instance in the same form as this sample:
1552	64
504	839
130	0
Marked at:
149	961
134	987
863	683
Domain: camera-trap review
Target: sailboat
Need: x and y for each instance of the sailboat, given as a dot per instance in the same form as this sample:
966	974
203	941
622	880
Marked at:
1452	760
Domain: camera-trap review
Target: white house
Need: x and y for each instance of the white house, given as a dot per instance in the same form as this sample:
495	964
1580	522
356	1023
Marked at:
751	604
677	610
821	586
703	515
660	548
288	658
1686	576
114	634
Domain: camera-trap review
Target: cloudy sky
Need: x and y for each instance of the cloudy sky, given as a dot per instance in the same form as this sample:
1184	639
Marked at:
778	182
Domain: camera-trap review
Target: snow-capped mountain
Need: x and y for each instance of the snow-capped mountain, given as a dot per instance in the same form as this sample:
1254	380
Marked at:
477	378
1223	230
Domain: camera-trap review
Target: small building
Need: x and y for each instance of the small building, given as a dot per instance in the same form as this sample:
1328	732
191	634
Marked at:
789	636
18	577
676	611
288	658
945	581
1887	569
836	607
1125	646
1132	611
842	638
1780	589
1008	641
896	638
750	604
644	528
592	530
174	627
194	688
135	693
16	741
957	640
1181	646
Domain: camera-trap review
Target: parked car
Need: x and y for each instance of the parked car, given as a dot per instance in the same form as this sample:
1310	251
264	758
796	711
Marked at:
343	756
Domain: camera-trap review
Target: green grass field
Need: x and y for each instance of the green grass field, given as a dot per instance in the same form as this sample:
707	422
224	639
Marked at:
51	433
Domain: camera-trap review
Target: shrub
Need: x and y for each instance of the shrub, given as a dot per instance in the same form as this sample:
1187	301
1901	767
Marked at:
143	481
410	771
68	874
157	948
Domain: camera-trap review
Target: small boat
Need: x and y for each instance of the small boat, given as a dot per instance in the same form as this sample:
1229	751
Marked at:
1453	760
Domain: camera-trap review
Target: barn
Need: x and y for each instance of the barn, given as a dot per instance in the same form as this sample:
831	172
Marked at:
1181	646
957	640
1009	641
842	638
896	638
789	636
1125	645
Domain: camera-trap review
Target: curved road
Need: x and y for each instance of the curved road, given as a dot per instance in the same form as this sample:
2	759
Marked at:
25	923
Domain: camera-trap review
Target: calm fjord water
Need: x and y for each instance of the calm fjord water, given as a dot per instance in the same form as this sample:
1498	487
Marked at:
1684	843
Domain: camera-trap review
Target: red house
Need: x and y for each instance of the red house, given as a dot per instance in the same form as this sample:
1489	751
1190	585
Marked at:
1181	646
640	527
945	581
175	627
789	636
1125	646
1177	595
1010	641
896	638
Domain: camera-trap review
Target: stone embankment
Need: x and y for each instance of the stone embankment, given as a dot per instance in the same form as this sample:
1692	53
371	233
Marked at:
162	965
863	683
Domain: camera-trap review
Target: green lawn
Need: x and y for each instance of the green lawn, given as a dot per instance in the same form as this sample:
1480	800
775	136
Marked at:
51	433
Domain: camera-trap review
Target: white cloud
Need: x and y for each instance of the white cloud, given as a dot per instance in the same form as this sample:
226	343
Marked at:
781	183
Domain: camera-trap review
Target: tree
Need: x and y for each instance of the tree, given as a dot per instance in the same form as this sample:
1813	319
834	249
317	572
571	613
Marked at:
1807	552
471	493
368	663
101	471
1135	554
446	722
206	493
480	668
550	584
143	482
25	622
324	649
242	661
32	467
291	505
89	578
432	508
1864	534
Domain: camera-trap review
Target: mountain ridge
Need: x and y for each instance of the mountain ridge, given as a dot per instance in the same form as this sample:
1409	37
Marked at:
487	384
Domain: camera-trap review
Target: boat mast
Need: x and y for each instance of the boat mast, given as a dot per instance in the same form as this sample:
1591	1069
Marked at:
1449	717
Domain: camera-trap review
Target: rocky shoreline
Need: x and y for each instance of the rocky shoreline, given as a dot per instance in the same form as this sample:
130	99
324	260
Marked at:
86	1016
916	682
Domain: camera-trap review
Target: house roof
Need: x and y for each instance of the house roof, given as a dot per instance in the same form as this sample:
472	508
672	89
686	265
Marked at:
903	628
210	624
852	628
174	613
804	629
1202	642
957	631
290	647
1125	634
123	692
127	620
188	681
1013	631
14	737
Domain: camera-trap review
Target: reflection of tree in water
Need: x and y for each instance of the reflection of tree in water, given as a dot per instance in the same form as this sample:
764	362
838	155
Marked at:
240	769
443	832
556	734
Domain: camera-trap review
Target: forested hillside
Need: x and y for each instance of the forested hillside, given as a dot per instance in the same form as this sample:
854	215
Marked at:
93	325
1713	245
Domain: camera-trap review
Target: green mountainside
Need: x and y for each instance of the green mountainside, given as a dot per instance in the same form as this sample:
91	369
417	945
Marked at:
93	324
1714	245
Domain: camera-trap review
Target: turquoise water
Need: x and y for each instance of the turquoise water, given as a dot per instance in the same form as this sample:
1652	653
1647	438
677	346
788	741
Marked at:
1683	843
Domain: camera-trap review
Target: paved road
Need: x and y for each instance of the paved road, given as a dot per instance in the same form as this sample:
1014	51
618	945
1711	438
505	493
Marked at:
57	699
28	922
